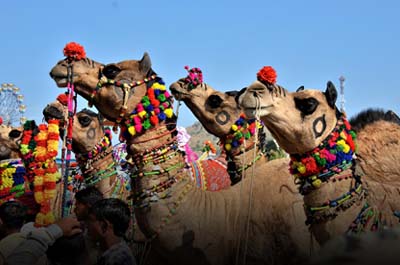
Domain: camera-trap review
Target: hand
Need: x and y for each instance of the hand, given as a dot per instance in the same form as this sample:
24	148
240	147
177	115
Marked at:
70	226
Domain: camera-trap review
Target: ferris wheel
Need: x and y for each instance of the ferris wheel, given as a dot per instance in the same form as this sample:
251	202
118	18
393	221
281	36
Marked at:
12	108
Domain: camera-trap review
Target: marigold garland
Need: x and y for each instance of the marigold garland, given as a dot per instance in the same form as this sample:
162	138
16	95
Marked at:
39	148
12	181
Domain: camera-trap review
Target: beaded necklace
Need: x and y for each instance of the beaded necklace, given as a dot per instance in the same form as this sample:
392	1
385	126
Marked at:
332	156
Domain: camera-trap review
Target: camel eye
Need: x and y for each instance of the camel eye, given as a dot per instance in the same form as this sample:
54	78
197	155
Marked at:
214	101
14	134
111	71
306	105
84	120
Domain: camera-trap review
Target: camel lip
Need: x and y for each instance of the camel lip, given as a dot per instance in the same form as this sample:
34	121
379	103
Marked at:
60	81
259	108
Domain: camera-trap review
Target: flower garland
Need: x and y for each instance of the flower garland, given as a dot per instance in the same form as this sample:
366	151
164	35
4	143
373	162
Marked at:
12	181
332	156
242	129
155	106
39	148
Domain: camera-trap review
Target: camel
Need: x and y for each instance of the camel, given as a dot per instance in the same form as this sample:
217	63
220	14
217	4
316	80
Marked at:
183	224
92	146
6	151
341	194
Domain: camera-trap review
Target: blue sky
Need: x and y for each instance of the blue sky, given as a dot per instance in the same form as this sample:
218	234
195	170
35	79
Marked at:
307	42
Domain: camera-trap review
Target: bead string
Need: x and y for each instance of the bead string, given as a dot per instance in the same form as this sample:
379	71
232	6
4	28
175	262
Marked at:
362	220
158	172
340	203
310	183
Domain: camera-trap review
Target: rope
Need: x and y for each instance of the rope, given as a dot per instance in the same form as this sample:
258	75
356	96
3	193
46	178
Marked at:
251	194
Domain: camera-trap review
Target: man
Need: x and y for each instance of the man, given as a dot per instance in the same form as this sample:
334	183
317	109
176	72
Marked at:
12	218
108	222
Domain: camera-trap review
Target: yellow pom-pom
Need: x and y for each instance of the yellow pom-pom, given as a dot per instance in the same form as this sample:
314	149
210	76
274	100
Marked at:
39	196
301	168
228	147
169	113
234	127
159	86
142	113
317	183
132	130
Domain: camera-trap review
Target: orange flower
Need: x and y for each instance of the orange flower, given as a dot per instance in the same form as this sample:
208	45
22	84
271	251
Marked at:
267	74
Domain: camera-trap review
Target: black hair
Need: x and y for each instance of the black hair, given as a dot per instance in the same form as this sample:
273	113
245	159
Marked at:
114	211
13	214
89	195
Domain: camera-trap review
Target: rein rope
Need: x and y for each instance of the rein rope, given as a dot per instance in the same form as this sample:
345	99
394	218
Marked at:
72	104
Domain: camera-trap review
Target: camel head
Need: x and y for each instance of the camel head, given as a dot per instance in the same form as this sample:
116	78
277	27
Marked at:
87	128
115	89
9	141
299	121
216	111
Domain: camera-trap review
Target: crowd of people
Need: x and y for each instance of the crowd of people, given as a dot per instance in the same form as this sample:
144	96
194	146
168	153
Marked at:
94	234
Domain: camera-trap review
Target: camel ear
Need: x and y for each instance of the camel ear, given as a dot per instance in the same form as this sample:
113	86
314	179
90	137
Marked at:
300	89
331	94
145	63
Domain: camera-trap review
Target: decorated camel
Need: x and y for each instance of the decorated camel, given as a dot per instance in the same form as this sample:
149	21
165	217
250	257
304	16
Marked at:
343	192
184	224
93	149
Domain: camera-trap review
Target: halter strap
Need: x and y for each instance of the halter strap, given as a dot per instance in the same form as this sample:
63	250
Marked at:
126	88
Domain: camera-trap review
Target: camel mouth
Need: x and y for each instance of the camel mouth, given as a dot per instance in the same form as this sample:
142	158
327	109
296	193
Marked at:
252	112
60	81
178	91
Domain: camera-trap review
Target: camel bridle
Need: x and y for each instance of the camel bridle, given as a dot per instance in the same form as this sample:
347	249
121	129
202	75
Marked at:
125	87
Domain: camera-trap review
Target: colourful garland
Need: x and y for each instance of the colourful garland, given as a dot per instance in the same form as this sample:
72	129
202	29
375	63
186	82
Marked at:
243	129
39	148
12	181
155	106
333	155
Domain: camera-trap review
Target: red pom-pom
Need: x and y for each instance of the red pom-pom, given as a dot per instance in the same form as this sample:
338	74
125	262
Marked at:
74	50
267	75
1	120
63	98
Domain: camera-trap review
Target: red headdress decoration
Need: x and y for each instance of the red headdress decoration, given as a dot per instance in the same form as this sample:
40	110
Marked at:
63	98
1	120
74	51
194	77
267	75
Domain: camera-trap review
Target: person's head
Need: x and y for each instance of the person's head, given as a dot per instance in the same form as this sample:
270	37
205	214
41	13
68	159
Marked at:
84	199
108	217
12	217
